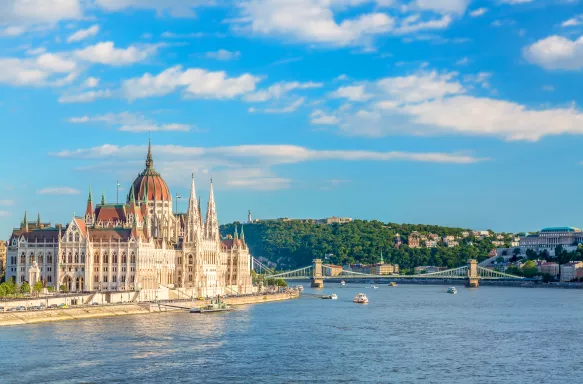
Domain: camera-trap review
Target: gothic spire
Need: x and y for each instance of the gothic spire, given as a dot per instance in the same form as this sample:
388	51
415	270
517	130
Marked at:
149	159
242	233
90	198
145	197
212	223
25	222
132	196
236	236
38	220
193	215
102	197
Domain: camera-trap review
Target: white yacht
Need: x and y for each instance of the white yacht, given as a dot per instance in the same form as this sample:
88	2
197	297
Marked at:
330	297
360	299
300	288
452	290
342	283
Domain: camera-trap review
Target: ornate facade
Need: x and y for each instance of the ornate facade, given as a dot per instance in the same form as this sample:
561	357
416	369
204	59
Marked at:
140	245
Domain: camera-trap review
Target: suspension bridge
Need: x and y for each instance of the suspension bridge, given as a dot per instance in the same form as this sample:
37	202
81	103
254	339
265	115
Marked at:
318	272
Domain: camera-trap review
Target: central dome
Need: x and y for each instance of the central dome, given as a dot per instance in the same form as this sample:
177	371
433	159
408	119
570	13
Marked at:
149	183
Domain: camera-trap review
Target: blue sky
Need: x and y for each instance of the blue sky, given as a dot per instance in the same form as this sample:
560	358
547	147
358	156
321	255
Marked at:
453	112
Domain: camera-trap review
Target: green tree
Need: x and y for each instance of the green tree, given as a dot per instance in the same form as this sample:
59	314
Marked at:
512	270
516	251
37	288
499	259
25	288
62	288
529	269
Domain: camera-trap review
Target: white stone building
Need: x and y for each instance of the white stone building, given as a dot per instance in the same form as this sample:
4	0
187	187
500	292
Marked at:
140	246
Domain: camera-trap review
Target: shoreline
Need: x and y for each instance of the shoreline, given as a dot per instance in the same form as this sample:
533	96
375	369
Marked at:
141	308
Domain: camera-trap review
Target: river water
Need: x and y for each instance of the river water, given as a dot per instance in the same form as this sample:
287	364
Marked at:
406	334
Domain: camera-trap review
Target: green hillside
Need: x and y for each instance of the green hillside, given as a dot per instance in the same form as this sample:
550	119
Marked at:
293	244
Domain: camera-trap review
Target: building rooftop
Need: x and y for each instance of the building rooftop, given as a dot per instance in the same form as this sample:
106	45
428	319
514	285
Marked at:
560	229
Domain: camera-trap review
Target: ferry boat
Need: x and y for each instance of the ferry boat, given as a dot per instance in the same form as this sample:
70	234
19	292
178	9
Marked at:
300	288
342	283
360	299
214	306
330	297
392	284
452	290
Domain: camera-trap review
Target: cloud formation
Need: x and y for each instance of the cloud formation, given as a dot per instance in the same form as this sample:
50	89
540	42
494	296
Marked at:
556	52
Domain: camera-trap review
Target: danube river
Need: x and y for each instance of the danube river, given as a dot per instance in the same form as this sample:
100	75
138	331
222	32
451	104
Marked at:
406	334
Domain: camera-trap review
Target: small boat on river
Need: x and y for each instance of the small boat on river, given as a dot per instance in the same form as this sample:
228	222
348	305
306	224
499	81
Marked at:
214	306
342	283
360	299
330	297
392	284
300	288
452	290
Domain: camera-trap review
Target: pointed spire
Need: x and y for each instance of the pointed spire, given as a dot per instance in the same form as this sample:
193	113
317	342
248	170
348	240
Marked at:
212	223
200	212
90	198
382	261
242	233
38	220
25	222
236	236
193	222
149	159
102	197
132	196
145	197
89	210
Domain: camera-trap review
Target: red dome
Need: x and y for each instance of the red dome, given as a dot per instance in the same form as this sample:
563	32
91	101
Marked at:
150	184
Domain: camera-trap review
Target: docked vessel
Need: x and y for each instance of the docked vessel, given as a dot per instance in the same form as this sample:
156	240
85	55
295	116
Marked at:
214	306
452	290
330	297
392	284
300	288
342	283
360	299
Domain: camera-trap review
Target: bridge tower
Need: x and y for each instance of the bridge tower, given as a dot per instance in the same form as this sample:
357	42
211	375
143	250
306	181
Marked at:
473	275
317	279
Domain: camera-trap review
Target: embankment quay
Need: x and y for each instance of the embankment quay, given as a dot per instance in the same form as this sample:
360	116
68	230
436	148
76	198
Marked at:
122	309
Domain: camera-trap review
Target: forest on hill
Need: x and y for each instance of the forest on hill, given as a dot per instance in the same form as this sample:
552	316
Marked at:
294	243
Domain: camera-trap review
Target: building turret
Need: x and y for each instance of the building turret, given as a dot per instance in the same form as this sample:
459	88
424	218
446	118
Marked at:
193	215
236	235
242	233
38	220
102	197
89	211
212	223
24	225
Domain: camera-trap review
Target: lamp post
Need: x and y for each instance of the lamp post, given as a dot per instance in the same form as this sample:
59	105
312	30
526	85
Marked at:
176	209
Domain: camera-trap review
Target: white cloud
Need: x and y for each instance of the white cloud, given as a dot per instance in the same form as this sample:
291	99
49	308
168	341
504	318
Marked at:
577	20
415	23
83	34
12	31
41	71
223	54
195	81
463	61
319	117
556	52
311	21
58	191
55	63
6	203
30	12
5	214
478	12
91	82
192	35
352	93
342	77
131	122
420	87
86	97
278	90
443	6
176	8
106	53
287	109
513	2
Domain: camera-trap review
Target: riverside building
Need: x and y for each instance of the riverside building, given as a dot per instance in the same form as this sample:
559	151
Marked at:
140	245
549	238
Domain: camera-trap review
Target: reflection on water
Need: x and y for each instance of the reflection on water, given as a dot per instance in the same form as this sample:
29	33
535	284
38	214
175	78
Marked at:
405	334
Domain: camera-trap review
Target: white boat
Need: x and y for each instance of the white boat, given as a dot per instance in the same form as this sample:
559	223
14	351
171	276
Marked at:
330	297
360	299
452	290
300	288
342	283
374	287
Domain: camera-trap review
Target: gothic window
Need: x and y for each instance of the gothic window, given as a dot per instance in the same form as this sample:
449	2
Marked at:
70	237
124	258
82	257
31	257
189	277
70	258
63	258
123	278
114	279
49	258
133	258
22	258
190	259
49	278
114	258
105	258
96	258
77	236
40	258
105	278
96	279
76	257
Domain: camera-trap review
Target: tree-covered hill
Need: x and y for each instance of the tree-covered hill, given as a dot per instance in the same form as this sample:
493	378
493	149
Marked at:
295	243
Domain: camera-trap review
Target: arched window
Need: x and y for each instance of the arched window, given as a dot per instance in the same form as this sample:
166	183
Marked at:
96	258
49	258
40	258
124	258
76	257
23	258
31	257
63	258
49	278
77	236
133	258
189	277
70	236
105	258
190	259
70	258
114	257
82	257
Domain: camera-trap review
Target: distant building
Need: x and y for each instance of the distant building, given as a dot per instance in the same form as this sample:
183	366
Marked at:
433	236
448	238
465	234
374	269
428	269
570	271
550	268
397	241
338	220
2	258
549	238
334	270
430	243
497	243
452	243
414	240
515	242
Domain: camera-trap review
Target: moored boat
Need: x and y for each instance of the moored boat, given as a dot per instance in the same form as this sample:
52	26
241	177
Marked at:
452	290
342	283
392	284
300	288
214	306
360	299
330	297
